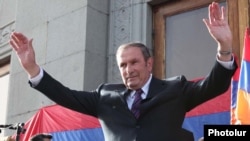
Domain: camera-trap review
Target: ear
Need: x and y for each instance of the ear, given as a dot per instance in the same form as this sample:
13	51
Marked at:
149	63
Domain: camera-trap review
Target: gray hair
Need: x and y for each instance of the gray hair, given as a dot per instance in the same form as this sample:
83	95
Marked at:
144	49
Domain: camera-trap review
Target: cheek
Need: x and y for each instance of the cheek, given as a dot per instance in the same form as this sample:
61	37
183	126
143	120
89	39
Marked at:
123	74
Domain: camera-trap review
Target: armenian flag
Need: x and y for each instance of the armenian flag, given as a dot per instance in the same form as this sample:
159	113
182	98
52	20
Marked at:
240	102
63	124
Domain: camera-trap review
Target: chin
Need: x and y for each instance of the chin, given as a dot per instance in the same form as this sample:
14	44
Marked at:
133	87
130	85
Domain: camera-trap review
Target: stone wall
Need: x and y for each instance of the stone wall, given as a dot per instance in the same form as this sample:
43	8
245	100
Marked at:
74	40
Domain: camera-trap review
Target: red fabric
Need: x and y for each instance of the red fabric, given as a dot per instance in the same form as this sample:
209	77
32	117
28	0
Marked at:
246	54
57	118
216	105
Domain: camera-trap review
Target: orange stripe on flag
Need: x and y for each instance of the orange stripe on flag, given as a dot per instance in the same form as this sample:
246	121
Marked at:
243	107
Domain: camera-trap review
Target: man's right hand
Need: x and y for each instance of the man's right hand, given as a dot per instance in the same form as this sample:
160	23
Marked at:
25	52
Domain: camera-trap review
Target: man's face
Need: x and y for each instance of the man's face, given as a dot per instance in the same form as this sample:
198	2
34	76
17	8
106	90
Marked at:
46	139
134	70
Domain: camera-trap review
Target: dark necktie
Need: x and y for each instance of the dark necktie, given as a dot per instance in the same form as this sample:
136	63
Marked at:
136	104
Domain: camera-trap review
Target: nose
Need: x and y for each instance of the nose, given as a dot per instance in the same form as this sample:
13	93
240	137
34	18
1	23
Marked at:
129	69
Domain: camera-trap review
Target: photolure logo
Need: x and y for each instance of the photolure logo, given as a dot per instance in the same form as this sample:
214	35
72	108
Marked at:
237	132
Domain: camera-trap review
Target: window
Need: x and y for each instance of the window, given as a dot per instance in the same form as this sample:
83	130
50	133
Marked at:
166	15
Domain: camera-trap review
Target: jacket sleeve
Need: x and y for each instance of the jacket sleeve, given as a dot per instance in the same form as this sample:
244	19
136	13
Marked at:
80	101
214	84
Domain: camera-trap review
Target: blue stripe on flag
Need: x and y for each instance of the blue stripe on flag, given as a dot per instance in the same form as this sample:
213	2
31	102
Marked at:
244	76
234	92
93	134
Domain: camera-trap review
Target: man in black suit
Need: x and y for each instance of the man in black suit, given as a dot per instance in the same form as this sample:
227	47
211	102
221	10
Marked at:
164	102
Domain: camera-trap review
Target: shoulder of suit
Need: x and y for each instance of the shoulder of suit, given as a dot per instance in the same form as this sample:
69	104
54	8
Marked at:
111	87
111	90
176	78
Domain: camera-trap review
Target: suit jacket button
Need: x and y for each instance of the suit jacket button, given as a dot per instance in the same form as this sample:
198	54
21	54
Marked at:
114	107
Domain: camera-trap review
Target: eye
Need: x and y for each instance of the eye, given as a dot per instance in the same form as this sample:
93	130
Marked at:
134	62
122	65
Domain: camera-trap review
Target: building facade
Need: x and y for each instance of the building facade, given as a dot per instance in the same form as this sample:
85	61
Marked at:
75	41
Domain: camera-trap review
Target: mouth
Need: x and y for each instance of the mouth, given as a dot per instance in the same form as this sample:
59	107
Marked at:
129	79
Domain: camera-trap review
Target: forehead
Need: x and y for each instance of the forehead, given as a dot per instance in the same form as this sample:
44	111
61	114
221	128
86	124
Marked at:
128	50
128	54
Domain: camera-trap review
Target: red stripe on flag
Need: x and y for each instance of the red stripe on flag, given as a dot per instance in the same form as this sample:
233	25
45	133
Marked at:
56	118
241	113
246	52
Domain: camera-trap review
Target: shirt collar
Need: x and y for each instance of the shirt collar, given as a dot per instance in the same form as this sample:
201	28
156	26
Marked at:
144	88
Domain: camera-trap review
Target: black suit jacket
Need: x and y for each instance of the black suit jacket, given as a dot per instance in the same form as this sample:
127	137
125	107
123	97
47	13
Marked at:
162	112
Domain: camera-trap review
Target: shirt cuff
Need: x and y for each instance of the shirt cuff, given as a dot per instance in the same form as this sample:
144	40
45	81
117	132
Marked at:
36	80
228	64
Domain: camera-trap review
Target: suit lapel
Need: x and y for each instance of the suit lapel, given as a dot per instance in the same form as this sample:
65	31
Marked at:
123	92
156	86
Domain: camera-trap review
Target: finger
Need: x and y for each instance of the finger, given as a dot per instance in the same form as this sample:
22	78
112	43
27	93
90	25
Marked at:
224	13
216	11
14	38
13	45
210	13
22	38
207	23
30	43
19	39
13	41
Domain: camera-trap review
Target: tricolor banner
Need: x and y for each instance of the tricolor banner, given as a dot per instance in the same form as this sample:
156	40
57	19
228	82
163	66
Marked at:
240	105
63	124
